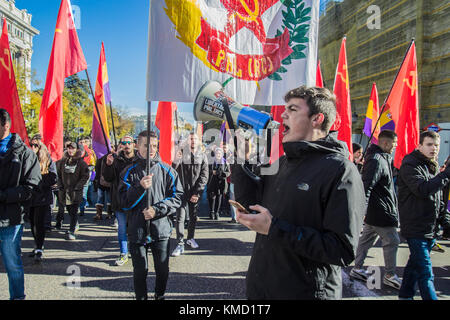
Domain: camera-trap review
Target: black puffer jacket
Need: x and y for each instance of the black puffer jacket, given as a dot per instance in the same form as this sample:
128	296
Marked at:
20	174
194	173
165	198
419	195
317	201
112	173
377	176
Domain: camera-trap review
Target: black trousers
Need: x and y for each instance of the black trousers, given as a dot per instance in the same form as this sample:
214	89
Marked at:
37	221
215	202
73	214
139	255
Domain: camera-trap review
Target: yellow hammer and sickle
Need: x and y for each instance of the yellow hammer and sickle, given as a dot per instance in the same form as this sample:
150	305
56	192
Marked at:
413	84
344	78
6	64
252	15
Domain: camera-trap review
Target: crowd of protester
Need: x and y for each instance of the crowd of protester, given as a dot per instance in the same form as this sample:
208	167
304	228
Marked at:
317	214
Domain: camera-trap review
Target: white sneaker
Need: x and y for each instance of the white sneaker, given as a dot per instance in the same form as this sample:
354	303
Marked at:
192	243
359	274
178	251
392	281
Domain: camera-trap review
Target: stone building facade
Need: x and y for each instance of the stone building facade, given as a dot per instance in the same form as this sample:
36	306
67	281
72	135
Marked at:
375	52
21	34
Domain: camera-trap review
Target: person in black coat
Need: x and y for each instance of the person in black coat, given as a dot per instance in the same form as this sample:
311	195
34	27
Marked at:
217	186
444	216
73	173
420	186
42	197
20	175
381	220
308	215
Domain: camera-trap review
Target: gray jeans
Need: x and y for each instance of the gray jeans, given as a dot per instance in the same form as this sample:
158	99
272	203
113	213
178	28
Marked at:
187	208
389	240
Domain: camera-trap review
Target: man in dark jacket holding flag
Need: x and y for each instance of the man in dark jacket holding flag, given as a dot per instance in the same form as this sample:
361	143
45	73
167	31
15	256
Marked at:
309	214
149	227
20	174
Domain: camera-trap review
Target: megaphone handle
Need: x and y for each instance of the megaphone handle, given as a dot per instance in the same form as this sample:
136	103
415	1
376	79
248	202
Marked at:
250	174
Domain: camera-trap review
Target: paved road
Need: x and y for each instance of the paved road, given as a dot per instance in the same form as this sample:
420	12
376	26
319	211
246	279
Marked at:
84	270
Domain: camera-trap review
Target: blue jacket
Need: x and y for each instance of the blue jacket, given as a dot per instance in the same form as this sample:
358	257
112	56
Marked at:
165	197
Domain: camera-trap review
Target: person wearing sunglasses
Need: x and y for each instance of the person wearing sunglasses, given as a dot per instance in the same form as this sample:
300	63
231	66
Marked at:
42	198
112	167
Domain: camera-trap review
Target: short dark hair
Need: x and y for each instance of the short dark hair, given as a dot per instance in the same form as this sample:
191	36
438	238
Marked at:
319	100
428	134
356	146
144	134
387	134
37	137
4	117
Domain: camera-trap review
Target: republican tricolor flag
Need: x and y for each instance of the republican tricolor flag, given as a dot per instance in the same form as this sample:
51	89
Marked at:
67	59
102	97
372	124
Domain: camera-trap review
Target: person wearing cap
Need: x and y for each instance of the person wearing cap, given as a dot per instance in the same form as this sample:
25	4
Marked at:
73	173
111	169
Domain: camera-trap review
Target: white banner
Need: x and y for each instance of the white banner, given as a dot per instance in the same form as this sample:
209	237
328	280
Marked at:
259	49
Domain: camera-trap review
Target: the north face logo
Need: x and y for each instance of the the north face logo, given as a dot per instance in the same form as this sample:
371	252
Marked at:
303	186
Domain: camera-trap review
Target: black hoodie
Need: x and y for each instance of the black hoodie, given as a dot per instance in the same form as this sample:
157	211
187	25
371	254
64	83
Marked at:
20	175
317	201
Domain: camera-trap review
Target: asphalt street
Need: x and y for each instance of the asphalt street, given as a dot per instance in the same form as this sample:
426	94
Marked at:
84	269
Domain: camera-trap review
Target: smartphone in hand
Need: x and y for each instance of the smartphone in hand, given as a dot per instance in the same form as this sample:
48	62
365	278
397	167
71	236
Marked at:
238	206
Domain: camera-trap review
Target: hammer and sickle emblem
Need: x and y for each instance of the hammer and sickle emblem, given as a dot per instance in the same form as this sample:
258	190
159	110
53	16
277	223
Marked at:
344	77
413	84
252	15
6	65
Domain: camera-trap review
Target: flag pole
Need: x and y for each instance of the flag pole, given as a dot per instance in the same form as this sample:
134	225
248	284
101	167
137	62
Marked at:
387	97
178	146
98	113
149	120
113	127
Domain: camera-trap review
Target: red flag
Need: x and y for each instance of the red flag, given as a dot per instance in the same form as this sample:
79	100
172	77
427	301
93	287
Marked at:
403	102
67	58
164	122
276	112
9	98
319	78
343	122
